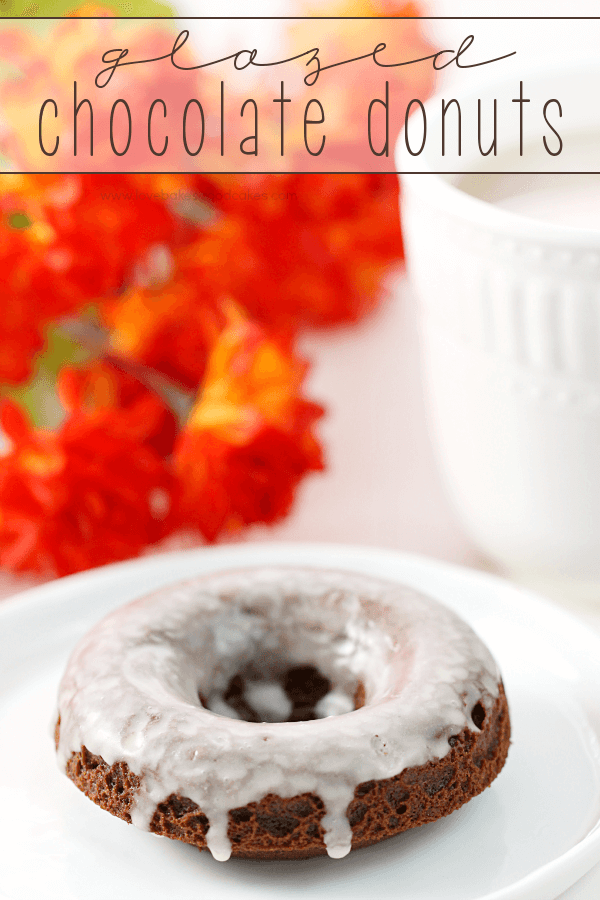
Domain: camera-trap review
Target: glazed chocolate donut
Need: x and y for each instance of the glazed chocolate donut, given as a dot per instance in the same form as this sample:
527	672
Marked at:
172	712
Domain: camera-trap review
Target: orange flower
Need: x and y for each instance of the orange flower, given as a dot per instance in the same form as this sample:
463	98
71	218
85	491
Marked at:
249	439
346	91
295	250
88	494
46	64
172	321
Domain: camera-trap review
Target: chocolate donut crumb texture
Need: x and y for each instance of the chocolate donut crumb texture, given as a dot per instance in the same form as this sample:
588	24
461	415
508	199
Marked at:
277	828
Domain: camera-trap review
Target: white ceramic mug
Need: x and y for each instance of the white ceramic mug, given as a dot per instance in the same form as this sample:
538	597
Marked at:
510	327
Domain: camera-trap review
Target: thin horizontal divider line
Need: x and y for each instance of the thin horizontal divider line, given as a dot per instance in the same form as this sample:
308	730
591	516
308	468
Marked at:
305	18
294	172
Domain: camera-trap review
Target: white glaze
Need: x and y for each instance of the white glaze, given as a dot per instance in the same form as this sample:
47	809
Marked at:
335	703
269	700
130	690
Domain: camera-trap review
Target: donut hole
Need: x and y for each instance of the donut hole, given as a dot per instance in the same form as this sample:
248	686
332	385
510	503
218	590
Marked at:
299	693
478	715
272	654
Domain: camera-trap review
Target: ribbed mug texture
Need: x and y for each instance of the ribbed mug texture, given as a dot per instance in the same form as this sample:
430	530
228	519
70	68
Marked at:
510	331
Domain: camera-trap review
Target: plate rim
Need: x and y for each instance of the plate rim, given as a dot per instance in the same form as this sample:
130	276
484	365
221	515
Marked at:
558	874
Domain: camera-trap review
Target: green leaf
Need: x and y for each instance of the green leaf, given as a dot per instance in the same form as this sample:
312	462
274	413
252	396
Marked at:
38	397
128	8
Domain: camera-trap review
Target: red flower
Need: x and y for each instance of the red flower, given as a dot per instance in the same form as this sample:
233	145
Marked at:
65	243
155	259
84	496
99	225
103	389
249	441
33	295
301	249
226	487
311	250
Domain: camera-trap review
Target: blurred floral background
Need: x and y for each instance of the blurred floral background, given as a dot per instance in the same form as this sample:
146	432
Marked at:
150	373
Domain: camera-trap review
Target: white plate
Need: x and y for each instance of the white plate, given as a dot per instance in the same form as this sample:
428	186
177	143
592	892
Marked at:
529	837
